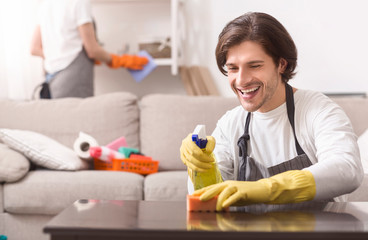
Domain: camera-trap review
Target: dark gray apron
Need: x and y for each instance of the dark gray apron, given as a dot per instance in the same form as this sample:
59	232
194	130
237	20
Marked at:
76	80
250	170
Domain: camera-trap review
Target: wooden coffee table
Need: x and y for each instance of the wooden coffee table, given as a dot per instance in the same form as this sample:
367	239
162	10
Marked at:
103	219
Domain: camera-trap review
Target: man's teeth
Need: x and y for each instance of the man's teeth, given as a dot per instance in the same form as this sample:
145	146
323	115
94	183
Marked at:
249	90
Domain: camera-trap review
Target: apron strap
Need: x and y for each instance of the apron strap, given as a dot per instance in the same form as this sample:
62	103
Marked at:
243	149
291	112
242	142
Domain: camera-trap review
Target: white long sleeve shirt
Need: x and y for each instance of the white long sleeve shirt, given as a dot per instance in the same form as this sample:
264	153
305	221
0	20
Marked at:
323	131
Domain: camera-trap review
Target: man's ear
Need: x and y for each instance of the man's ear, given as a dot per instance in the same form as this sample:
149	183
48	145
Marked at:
282	65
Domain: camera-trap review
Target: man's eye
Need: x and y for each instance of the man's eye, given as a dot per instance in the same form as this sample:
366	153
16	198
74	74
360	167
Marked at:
232	68
255	66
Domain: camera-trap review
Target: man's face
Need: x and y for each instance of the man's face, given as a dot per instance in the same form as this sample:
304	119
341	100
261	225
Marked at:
255	78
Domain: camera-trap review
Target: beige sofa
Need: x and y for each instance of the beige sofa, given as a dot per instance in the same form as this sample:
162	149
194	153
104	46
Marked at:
156	124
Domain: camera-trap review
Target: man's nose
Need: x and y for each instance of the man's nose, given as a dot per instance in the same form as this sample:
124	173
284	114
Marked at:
243	77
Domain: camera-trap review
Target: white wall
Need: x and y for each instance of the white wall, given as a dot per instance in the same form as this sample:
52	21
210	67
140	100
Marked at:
331	37
19	71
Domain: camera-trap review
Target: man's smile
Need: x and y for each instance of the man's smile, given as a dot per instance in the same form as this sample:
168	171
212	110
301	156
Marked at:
249	92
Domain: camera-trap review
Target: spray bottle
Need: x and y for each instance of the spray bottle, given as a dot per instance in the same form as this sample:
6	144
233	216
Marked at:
211	176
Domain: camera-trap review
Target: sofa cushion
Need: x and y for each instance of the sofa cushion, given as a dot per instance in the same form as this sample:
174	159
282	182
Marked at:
104	117
42	150
49	192
167	119
356	109
13	165
166	186
19	226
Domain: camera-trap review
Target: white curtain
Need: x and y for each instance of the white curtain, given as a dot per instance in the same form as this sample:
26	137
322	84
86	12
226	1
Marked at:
19	71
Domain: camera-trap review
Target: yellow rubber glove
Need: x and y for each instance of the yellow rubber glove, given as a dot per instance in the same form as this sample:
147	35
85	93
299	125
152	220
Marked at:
201	163
133	62
287	187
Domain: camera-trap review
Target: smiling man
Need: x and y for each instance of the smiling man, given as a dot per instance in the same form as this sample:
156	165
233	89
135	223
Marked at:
255	78
282	145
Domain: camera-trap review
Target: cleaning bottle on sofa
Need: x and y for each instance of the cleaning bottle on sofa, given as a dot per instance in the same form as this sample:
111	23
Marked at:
213	175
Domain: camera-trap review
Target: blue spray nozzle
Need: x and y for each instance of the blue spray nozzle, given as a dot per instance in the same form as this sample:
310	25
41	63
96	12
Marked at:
199	136
201	143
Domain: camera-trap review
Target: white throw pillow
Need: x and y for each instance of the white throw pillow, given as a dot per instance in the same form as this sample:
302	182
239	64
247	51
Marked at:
363	148
42	150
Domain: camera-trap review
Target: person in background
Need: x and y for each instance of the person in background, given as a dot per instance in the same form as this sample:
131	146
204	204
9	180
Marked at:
65	38
282	144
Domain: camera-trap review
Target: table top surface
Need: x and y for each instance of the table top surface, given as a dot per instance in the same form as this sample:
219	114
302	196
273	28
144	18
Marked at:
153	216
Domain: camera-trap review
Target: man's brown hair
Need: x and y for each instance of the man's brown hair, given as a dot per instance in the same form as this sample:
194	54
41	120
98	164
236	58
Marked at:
264	30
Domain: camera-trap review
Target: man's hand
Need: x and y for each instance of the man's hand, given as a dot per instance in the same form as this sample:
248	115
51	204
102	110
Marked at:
195	158
133	62
287	187
201	163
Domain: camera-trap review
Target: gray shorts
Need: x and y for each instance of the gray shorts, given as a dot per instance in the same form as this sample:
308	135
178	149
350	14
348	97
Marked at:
76	80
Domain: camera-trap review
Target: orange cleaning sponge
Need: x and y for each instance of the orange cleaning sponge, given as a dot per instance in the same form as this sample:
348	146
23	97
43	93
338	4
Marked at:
196	205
